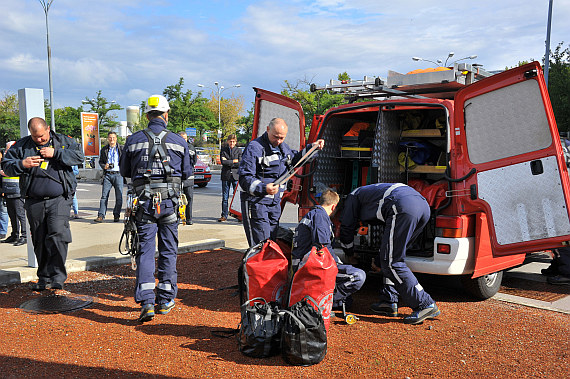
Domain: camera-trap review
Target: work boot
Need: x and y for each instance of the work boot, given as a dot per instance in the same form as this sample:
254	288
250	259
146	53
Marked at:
385	309
40	286
13	238
417	317
147	313
98	219
558	280
21	241
166	307
222	219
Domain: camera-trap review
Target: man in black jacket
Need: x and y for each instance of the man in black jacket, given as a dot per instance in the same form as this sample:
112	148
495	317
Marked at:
230	155
109	162
43	163
189	183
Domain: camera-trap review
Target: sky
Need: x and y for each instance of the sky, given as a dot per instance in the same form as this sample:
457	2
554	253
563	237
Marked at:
130	49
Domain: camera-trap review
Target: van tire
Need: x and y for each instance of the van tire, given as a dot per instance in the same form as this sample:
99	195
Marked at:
202	185
483	287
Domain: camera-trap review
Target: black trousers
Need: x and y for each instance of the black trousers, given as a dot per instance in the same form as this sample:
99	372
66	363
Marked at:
49	228
189	192
17	216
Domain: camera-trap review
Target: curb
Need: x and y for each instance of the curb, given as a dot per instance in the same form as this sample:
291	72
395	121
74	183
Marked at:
27	274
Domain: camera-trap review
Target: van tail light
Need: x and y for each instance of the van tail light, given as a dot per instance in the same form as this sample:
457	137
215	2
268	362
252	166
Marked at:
443	248
454	226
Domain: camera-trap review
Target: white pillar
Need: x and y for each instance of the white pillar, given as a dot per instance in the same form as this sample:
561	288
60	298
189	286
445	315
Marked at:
31	102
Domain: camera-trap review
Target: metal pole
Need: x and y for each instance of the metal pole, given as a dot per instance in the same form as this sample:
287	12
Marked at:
219	120
46	6
547	54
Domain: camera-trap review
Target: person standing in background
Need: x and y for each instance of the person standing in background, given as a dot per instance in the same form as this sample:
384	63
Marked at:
3	211
15	207
230	155
109	162
188	185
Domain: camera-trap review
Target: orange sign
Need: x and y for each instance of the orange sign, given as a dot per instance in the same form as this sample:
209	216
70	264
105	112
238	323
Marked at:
90	134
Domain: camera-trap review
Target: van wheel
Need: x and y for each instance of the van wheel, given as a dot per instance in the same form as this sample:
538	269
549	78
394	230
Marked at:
202	185
483	287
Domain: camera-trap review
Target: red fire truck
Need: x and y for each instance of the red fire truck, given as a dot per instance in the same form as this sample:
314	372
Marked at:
483	149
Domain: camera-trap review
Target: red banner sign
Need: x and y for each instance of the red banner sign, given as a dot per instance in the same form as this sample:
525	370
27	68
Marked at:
90	134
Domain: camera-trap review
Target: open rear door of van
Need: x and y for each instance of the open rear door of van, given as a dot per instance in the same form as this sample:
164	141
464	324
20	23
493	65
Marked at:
507	139
269	105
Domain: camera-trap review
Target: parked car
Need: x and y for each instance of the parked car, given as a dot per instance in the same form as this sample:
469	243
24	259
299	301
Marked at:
203	155
566	150
202	174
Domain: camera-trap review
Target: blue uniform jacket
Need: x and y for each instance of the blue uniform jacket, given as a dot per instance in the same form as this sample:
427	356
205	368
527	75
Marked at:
261	164
133	163
369	204
315	228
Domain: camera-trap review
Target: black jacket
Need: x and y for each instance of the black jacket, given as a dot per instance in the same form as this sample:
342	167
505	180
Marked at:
67	153
229	168
104	155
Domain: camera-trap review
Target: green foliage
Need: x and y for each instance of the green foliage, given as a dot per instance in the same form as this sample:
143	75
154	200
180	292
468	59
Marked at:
9	119
559	86
313	103
102	107
245	127
68	121
188	110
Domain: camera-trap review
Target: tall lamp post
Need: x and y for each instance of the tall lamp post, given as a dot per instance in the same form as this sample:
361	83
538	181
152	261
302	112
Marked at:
219	89
46	4
439	62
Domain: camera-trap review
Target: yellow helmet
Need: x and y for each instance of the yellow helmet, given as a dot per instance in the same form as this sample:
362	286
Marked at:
156	103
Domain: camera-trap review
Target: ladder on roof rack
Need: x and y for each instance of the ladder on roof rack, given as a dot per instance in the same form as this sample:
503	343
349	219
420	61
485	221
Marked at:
418	85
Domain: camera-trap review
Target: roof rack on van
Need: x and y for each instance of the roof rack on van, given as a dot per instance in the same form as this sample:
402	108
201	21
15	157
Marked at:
442	83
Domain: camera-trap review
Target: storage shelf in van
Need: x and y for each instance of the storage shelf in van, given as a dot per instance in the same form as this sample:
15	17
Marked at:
417	133
425	169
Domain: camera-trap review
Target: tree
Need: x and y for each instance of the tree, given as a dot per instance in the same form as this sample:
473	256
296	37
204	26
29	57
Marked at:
313	103
68	121
245	126
230	110
100	105
188	110
559	86
9	118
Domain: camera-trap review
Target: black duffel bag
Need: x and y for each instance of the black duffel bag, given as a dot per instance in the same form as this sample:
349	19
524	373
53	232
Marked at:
259	334
303	337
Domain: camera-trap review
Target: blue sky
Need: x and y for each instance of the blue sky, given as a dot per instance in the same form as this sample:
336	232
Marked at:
130	49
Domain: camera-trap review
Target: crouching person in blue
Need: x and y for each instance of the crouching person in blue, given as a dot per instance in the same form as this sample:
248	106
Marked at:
157	162
316	229
264	160
405	213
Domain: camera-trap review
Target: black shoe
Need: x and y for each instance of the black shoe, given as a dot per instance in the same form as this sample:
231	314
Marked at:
21	241
40	286
385	309
117	219
189	223
147	313
558	280
56	286
10	239
417	317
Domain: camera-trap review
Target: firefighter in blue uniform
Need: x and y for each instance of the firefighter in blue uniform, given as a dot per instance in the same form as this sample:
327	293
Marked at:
405	213
264	160
316	229
157	162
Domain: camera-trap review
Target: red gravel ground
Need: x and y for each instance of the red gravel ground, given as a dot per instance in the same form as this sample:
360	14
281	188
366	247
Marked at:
469	339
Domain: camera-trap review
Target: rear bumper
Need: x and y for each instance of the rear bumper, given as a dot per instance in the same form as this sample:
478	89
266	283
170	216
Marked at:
460	260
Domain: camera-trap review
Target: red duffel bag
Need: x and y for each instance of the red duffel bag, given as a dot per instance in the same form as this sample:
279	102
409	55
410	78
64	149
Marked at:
264	272
315	277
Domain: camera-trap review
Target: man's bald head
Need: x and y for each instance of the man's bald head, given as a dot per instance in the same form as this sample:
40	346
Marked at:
277	131
39	130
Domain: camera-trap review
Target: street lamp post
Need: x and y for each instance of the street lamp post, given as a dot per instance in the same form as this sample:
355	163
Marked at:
219	89
439	62
46	4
